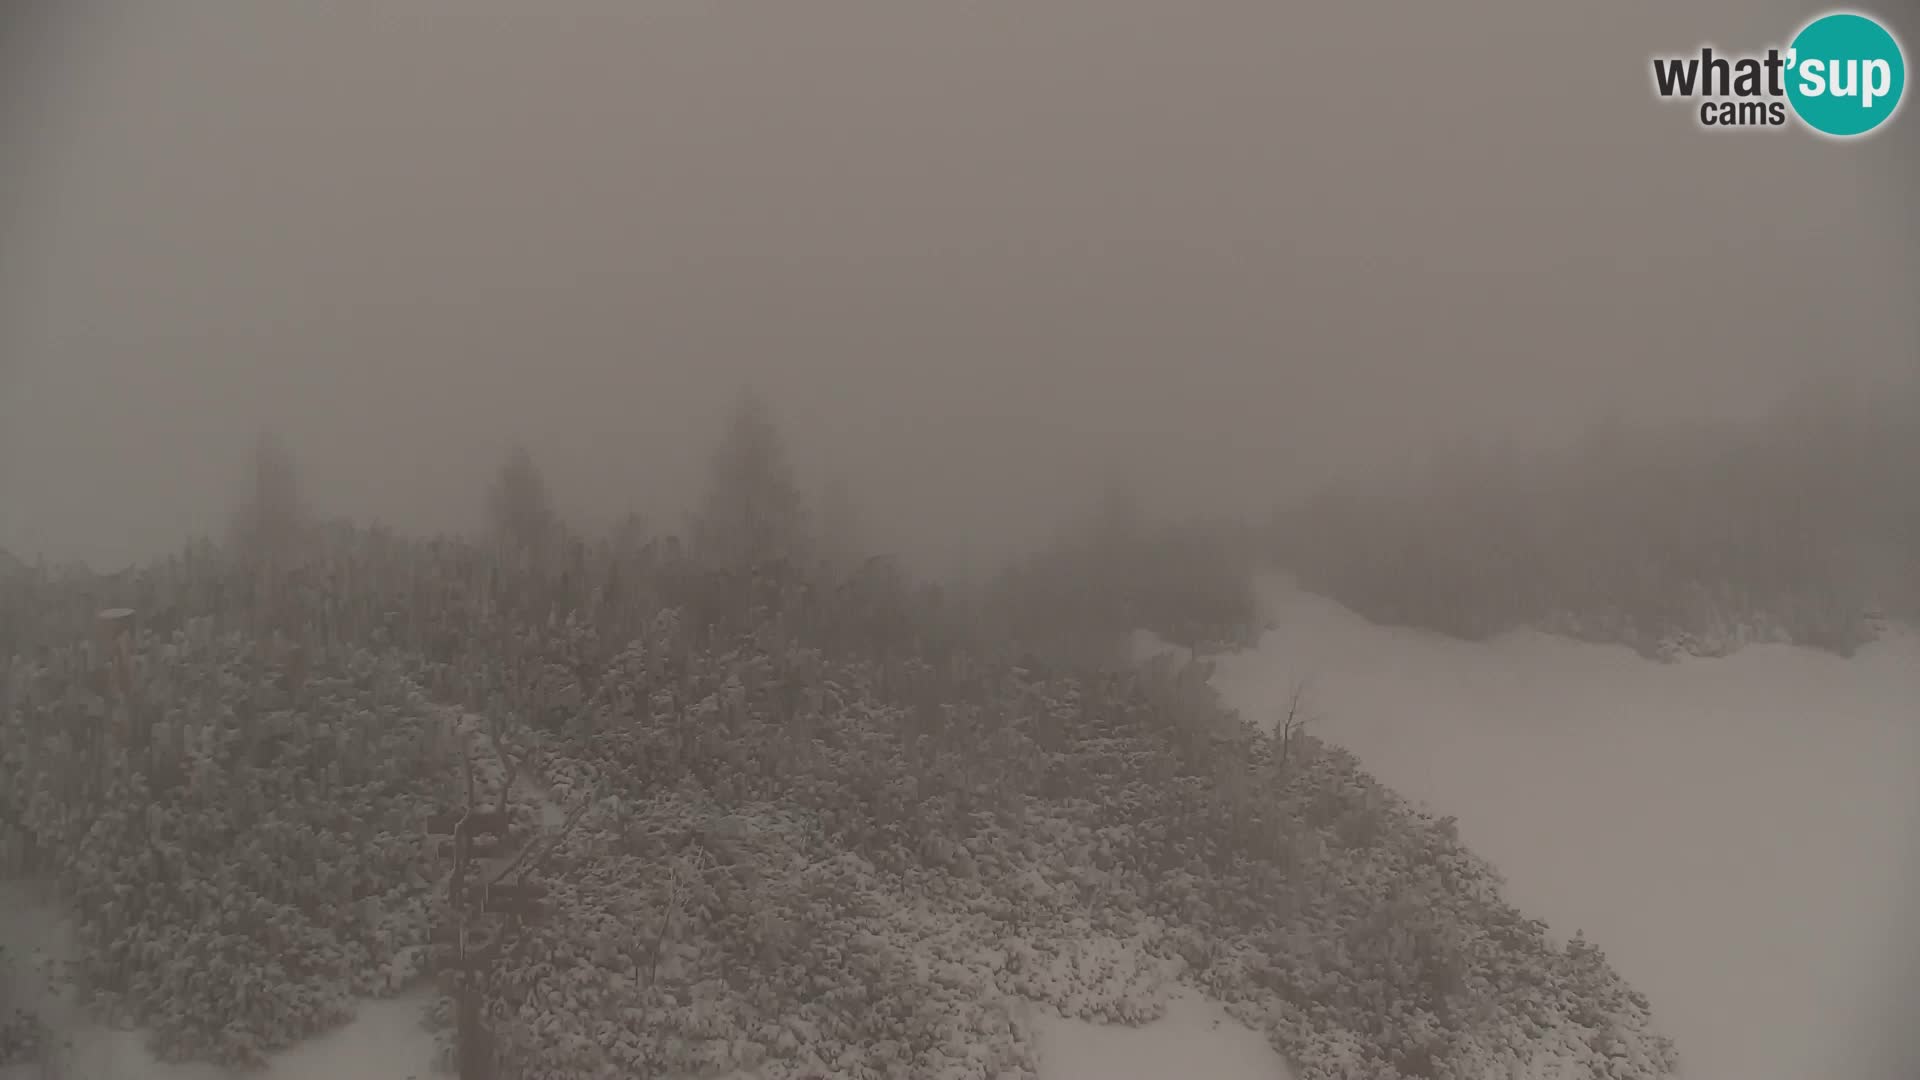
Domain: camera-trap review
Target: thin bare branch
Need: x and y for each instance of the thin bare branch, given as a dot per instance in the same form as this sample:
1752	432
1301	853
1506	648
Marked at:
508	766
666	919
466	765
1296	718
573	818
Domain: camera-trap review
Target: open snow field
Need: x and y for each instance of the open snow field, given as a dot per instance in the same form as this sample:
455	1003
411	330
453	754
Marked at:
1741	836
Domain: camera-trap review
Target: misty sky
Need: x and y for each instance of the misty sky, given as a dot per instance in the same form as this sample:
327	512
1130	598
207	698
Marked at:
980	255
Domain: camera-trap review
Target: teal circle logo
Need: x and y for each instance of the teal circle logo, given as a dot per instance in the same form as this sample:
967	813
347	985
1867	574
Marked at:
1846	74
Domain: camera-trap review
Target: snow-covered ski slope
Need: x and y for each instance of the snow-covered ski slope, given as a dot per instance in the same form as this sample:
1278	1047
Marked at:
1741	835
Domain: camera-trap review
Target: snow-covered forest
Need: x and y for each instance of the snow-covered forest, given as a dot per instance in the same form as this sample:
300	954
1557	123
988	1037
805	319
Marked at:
794	812
1675	539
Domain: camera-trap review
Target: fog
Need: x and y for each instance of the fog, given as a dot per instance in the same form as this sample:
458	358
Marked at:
980	257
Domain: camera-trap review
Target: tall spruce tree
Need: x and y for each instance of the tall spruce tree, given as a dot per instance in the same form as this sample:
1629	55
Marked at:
752	512
520	509
268	523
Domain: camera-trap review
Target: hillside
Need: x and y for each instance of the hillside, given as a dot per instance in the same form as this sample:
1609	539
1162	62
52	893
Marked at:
1737	833
1675	540
803	850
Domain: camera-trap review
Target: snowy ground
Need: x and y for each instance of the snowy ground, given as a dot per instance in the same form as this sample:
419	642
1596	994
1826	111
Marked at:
1737	834
1741	836
386	1042
1196	1039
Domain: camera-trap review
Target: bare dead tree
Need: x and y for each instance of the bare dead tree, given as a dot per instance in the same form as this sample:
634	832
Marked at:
509	768
466	767
546	844
1298	715
666	919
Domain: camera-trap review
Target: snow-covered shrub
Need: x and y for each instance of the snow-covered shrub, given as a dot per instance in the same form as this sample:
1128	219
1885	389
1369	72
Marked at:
833	884
24	1038
238	885
823	843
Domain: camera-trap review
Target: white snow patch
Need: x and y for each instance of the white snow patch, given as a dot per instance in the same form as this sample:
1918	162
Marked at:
1195	1040
1148	645
1737	834
385	1041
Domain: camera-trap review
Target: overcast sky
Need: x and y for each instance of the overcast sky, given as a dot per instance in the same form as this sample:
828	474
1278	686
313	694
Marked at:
979	255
